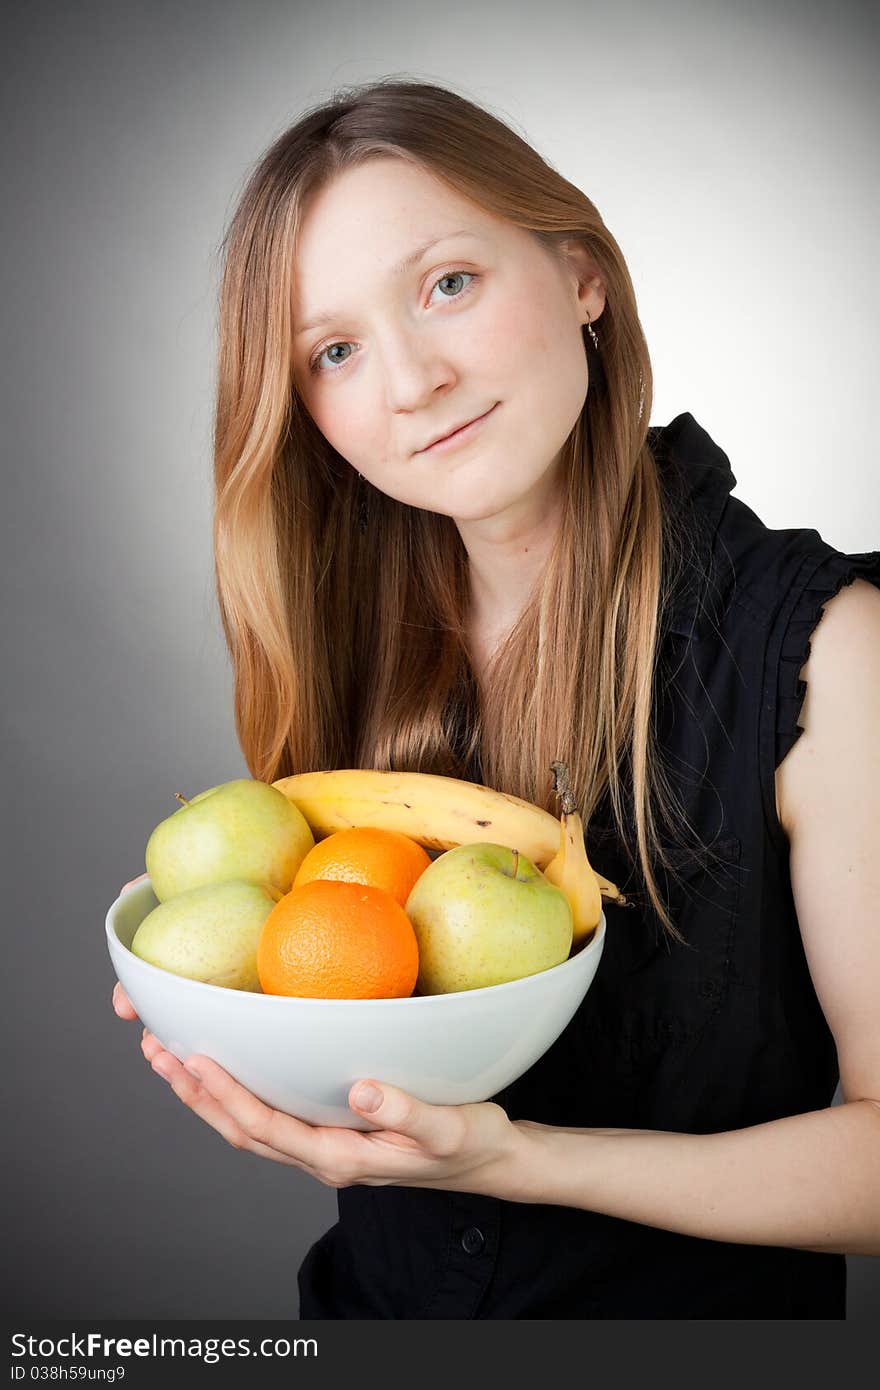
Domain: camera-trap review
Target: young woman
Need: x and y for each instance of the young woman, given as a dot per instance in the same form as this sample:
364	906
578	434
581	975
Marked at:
557	580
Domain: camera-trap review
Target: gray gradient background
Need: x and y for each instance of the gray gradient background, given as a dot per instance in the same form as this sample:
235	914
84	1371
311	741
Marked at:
732	151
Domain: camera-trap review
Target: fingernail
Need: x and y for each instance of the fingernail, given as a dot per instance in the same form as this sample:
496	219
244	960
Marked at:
368	1098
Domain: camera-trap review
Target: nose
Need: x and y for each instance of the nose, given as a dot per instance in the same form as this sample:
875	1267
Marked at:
413	371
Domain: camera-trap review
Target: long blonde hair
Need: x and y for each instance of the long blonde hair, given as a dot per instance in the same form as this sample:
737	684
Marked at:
343	609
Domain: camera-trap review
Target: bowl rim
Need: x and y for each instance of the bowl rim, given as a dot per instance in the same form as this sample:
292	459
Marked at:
279	1000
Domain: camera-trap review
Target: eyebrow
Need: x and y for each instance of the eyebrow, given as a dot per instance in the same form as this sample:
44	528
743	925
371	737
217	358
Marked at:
406	263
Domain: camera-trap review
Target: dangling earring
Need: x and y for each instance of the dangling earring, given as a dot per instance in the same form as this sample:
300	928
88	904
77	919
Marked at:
592	332
362	506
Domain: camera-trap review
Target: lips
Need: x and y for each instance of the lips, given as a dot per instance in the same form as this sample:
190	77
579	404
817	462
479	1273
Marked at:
455	429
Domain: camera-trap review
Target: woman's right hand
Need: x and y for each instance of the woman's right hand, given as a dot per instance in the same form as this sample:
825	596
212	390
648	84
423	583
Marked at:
121	1002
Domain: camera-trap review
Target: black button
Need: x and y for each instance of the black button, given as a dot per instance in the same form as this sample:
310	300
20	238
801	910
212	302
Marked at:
473	1240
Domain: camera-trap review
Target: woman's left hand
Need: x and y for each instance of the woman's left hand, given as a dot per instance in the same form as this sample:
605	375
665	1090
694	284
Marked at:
461	1148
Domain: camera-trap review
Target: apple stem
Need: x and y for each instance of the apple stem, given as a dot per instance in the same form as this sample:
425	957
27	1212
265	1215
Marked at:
515	862
181	797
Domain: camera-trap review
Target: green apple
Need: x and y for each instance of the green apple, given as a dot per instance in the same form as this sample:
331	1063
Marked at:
243	829
209	933
483	914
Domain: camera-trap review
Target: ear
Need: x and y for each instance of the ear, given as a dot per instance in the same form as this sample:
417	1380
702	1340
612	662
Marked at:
586	280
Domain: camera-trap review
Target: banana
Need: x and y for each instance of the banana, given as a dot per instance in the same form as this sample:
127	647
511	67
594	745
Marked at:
438	812
570	869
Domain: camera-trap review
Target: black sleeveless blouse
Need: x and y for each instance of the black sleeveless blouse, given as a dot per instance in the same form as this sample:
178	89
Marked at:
720	1034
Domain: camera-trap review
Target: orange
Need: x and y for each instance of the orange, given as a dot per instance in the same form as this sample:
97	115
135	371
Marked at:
333	940
363	854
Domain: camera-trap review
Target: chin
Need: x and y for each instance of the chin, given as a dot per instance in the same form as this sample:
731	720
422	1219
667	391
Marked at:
483	493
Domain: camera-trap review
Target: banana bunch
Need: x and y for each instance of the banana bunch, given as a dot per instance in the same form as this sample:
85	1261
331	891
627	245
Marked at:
442	812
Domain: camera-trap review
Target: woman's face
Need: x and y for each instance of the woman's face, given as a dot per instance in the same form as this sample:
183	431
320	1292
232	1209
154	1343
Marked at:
486	319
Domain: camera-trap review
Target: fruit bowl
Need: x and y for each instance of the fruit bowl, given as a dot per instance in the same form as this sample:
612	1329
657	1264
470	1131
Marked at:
302	1055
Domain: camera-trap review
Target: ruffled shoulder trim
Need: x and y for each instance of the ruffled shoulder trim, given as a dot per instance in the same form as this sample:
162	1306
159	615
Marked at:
822	583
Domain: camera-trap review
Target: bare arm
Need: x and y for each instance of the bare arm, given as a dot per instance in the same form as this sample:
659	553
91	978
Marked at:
811	1182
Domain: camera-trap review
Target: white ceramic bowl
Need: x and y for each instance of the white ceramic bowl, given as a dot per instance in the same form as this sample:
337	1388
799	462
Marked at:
302	1055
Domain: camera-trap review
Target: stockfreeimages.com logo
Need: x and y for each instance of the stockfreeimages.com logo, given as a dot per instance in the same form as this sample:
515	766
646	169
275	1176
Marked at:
207	1349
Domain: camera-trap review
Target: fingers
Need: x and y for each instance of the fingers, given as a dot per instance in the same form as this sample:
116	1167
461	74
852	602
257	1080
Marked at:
151	1047
133	881
122	1004
264	1126
189	1090
334	1157
434	1129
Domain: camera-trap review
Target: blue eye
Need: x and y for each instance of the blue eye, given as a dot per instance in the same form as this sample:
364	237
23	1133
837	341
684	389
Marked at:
449	275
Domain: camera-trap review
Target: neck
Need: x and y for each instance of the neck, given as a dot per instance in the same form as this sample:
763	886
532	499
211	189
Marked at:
507	554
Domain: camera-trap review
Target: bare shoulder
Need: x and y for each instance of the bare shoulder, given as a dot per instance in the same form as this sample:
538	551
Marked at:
842	674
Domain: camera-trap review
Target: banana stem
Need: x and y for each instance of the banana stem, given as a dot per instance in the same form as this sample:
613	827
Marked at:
562	787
